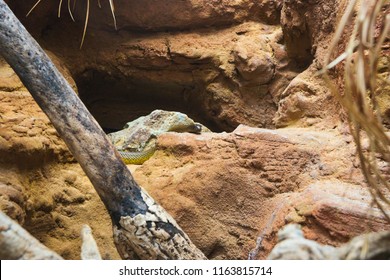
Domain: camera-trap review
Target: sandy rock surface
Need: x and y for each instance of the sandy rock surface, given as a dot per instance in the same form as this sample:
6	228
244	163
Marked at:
41	185
244	67
222	188
237	184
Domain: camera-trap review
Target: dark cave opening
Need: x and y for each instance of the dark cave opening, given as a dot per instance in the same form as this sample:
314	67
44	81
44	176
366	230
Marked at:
115	101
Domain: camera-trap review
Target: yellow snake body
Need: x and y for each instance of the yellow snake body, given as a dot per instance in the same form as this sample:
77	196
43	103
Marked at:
137	157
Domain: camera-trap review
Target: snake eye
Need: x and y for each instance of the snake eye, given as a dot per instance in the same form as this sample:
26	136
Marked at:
197	128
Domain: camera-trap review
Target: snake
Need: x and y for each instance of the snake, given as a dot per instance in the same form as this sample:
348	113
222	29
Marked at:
139	157
136	143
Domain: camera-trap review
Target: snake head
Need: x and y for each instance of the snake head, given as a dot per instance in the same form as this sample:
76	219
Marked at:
185	124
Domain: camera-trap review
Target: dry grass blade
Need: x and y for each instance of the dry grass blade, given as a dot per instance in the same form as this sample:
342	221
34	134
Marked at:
33	7
71	10
337	60
85	25
59	9
362	53
113	12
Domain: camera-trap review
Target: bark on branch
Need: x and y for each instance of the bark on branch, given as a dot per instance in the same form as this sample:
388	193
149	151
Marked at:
140	224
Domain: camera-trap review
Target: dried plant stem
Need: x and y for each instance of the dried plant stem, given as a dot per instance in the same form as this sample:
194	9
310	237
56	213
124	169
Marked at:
360	62
71	10
85	25
59	8
33	7
113	12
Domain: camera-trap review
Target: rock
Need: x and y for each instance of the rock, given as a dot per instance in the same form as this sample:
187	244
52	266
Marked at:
269	10
12	201
41	186
152	15
9	80
223	189
307	31
236	184
223	63
307	27
58	206
301	103
178	15
26	136
254	62
196	71
235	74
342	210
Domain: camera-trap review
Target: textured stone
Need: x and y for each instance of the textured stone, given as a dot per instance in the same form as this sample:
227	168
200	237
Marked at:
25	131
307	25
223	63
122	76
338	210
12	201
301	103
251	180
254	63
222	189
41	186
200	71
171	14
205	75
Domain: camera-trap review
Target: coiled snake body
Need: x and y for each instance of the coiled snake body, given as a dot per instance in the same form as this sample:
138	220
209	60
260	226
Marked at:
137	157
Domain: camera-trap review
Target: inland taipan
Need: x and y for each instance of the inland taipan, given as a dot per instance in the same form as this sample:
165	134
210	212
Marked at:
136	142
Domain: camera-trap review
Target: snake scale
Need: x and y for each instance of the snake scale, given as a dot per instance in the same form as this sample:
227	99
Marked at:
137	157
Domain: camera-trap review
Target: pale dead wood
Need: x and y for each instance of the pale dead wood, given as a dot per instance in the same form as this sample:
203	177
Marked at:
89	248
292	245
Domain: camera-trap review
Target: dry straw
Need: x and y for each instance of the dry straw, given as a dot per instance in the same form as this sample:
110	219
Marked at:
71	7
369	37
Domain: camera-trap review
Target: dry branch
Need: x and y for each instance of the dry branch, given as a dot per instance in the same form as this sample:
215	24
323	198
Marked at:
140	224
